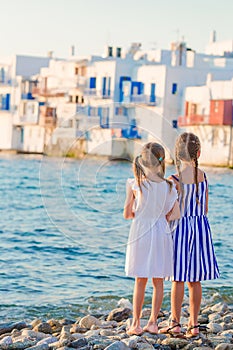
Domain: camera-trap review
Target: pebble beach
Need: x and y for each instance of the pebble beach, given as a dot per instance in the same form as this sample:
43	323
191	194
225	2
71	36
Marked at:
108	331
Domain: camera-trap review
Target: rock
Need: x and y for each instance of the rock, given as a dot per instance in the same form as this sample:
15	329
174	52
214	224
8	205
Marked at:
28	333
202	347
4	342
55	325
144	346
19	345
88	321
228	333
224	346
35	322
220	308
214	328
109	324
79	343
92	333
228	318
33	334
48	340
215	317
39	347
117	345
77	329
43	327
119	314
66	321
125	303
8	327
130	342
207	311
203	319
175	343
107	332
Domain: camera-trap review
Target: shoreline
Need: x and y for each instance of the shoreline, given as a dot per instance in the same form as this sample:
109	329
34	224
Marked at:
107	330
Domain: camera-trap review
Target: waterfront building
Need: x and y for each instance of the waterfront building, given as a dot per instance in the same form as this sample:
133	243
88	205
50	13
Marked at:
18	109
208	112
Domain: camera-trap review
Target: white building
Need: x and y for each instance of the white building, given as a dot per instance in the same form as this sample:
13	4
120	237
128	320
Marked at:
209	114
17	106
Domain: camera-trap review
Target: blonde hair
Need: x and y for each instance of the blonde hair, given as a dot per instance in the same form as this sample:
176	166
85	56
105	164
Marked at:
152	156
187	147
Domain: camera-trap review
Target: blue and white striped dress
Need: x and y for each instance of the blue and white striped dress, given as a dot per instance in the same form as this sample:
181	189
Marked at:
194	257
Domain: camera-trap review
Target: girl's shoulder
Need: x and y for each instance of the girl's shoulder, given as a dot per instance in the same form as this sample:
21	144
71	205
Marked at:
174	178
132	183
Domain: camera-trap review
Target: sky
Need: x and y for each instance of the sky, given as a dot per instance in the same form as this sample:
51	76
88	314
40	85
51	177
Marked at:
35	27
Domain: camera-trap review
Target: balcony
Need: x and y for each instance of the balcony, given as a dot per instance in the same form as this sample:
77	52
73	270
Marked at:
193	119
143	99
27	96
36	91
81	81
46	121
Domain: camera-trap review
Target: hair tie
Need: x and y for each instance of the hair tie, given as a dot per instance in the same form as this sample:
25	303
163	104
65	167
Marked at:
160	159
140	156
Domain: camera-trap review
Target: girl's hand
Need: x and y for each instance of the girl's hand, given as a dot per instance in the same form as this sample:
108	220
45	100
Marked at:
129	202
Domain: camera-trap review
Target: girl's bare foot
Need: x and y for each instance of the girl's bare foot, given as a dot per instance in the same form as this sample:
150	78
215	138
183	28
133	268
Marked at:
135	331
151	327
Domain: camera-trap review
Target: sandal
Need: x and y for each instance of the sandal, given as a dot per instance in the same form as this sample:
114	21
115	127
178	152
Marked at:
192	331
174	330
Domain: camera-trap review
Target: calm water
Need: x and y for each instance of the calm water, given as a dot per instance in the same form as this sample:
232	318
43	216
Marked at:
63	236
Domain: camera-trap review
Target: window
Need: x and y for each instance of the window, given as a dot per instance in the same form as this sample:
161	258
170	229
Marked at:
92	82
152	92
121	111
22	135
174	88
76	71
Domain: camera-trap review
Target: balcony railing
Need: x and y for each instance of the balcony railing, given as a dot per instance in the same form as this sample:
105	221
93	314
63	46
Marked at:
27	96
143	99
48	111
193	119
47	121
81	81
47	92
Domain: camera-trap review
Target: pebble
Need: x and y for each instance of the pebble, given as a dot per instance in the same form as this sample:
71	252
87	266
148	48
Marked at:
88	321
119	314
109	331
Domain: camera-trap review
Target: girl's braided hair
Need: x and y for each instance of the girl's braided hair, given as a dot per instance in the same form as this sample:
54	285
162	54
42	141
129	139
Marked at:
152	156
186	149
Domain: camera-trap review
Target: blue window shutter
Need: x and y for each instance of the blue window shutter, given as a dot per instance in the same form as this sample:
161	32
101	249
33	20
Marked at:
109	86
122	79
7	102
174	88
141	88
100	111
152	92
104	81
92	82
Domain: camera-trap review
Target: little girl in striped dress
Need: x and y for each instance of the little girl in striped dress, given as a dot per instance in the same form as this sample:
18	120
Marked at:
194	257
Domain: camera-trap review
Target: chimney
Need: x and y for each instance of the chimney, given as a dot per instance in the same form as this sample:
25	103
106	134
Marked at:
213	36
72	50
50	54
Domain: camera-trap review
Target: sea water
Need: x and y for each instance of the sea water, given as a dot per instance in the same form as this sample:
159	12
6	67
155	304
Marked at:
63	236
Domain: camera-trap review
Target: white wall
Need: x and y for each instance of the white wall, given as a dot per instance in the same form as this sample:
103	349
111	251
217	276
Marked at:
5	130
215	143
33	139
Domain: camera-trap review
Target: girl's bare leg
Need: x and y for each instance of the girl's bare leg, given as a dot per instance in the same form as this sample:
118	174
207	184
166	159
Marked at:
177	296
157	299
138	299
195	295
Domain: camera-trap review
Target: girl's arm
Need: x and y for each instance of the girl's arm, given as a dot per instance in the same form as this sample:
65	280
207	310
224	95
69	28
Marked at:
129	201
